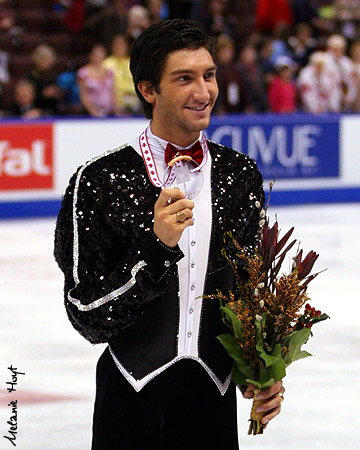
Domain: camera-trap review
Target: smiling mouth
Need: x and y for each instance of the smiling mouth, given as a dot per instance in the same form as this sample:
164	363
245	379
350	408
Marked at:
197	108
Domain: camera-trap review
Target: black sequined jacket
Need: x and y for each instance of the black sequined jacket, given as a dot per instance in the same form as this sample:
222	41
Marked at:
112	224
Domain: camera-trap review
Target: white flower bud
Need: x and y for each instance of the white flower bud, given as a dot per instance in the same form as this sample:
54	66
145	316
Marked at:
261	285
257	204
262	222
262	213
264	335
256	292
271	184
257	317
262	303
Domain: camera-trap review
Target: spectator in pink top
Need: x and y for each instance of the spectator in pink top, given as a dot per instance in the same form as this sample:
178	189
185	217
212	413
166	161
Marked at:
96	84
282	90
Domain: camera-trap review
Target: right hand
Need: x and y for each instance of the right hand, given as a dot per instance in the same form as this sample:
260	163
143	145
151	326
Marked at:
167	227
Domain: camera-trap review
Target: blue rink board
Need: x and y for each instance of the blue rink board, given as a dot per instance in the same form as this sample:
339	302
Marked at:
50	208
298	147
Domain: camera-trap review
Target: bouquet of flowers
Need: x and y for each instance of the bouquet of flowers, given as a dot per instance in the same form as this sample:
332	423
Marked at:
268	314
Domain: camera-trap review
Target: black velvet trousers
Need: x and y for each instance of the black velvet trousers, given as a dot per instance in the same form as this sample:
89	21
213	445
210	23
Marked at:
181	408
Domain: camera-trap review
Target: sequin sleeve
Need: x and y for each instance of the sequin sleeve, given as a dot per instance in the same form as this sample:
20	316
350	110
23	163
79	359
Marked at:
105	251
237	186
251	198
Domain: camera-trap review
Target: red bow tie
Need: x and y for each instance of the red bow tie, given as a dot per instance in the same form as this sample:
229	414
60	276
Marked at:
195	152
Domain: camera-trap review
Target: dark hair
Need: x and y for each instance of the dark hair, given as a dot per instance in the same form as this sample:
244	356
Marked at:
150	50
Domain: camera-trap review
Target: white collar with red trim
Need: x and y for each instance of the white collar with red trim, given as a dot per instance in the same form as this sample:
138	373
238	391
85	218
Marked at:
153	149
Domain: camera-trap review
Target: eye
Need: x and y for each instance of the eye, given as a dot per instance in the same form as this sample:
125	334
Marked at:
209	75
184	78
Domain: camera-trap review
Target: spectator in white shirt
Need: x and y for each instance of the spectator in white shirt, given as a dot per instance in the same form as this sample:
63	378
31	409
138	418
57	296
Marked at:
342	72
315	86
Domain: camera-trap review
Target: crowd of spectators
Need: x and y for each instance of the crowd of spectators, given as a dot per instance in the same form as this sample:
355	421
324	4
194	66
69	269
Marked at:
279	56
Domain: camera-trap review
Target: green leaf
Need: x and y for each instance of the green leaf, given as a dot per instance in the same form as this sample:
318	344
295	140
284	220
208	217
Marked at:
303	354
269	360
245	370
320	318
232	347
230	344
267	384
233	320
264	375
277	370
277	350
294	342
261	384
238	377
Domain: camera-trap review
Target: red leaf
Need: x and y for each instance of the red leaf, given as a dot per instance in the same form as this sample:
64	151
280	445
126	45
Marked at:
304	268
298	257
283	241
269	238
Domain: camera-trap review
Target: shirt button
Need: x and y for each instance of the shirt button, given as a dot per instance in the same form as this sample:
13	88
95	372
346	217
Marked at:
189	333
192	287
192	265
191	310
167	263
193	243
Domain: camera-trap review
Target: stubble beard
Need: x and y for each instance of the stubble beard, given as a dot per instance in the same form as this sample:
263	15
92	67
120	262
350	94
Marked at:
190	126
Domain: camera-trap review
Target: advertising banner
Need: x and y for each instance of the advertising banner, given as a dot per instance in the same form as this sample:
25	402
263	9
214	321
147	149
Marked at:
314	157
26	157
289	147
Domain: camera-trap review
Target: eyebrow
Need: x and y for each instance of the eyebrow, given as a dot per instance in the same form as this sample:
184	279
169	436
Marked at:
182	71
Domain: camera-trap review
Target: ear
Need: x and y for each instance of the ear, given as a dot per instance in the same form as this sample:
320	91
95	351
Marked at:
147	91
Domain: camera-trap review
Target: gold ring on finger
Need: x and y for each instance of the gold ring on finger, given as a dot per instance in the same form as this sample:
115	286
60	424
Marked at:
181	216
281	395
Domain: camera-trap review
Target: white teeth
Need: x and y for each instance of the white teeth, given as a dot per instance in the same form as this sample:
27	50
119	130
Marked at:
197	108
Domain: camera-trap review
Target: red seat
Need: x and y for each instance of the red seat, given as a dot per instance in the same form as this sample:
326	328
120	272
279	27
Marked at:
19	66
31	20
61	64
61	42
30	4
7	95
54	22
6	42
82	44
31	41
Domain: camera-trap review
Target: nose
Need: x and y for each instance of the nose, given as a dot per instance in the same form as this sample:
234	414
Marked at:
202	91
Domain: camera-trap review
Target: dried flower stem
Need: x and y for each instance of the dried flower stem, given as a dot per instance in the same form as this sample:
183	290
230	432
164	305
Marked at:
256	427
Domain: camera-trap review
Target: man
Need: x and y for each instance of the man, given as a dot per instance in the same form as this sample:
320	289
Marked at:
137	259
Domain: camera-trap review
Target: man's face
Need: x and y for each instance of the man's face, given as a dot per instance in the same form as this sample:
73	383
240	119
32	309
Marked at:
185	96
24	94
338	51
120	47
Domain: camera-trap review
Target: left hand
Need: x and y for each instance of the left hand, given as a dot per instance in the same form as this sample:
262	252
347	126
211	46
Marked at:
272	405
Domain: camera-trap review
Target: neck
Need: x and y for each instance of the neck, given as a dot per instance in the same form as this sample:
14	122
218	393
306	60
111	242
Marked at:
184	139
